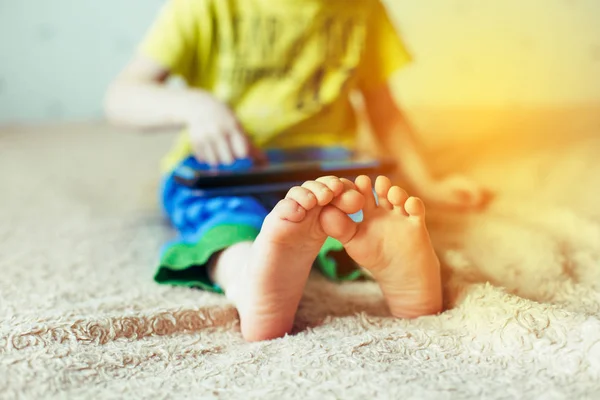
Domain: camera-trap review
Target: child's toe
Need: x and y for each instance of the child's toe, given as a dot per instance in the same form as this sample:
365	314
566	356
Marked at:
337	224
303	197
322	191
414	207
289	210
334	184
350	202
364	186
397	197
382	187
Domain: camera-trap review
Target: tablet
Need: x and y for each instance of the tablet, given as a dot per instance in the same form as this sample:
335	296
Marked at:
275	177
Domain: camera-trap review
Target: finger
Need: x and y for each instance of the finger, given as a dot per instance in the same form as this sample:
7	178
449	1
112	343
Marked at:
198	150
223	151
199	155
486	197
210	154
304	197
466	191
239	145
477	197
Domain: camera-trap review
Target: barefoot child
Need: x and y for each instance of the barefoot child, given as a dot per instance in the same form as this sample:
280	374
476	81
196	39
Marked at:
272	80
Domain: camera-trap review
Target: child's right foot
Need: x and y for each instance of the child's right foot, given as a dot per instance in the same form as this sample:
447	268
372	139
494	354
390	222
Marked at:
393	244
267	291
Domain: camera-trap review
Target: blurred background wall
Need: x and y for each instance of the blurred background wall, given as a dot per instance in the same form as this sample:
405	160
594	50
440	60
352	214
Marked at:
481	67
498	69
57	57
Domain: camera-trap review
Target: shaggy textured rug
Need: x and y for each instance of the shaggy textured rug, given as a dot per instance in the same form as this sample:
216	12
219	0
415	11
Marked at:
80	316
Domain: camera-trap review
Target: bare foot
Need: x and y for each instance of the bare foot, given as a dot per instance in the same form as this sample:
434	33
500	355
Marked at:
268	290
393	244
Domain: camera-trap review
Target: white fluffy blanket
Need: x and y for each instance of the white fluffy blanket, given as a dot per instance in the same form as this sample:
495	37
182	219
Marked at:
80	316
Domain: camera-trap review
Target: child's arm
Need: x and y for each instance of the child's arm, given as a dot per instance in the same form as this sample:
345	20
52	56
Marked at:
395	135
139	98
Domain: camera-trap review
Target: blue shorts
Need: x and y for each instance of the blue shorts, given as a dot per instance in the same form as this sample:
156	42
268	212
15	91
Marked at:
207	225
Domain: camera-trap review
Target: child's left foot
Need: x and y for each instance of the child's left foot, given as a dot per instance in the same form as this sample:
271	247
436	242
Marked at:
393	244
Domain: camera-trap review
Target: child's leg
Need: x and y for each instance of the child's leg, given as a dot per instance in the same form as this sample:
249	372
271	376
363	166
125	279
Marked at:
206	226
265	279
393	244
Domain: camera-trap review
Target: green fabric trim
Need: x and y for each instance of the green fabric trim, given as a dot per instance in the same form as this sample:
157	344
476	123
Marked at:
185	264
331	257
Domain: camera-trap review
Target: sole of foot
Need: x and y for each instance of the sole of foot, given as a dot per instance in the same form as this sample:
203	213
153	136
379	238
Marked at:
393	244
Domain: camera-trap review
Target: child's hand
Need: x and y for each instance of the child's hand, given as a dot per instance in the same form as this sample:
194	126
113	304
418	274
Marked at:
216	135
455	192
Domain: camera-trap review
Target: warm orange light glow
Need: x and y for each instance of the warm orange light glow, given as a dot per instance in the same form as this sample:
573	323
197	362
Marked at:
495	67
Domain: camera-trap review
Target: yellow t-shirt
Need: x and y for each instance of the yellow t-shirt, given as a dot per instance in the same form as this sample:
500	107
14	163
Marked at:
285	67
